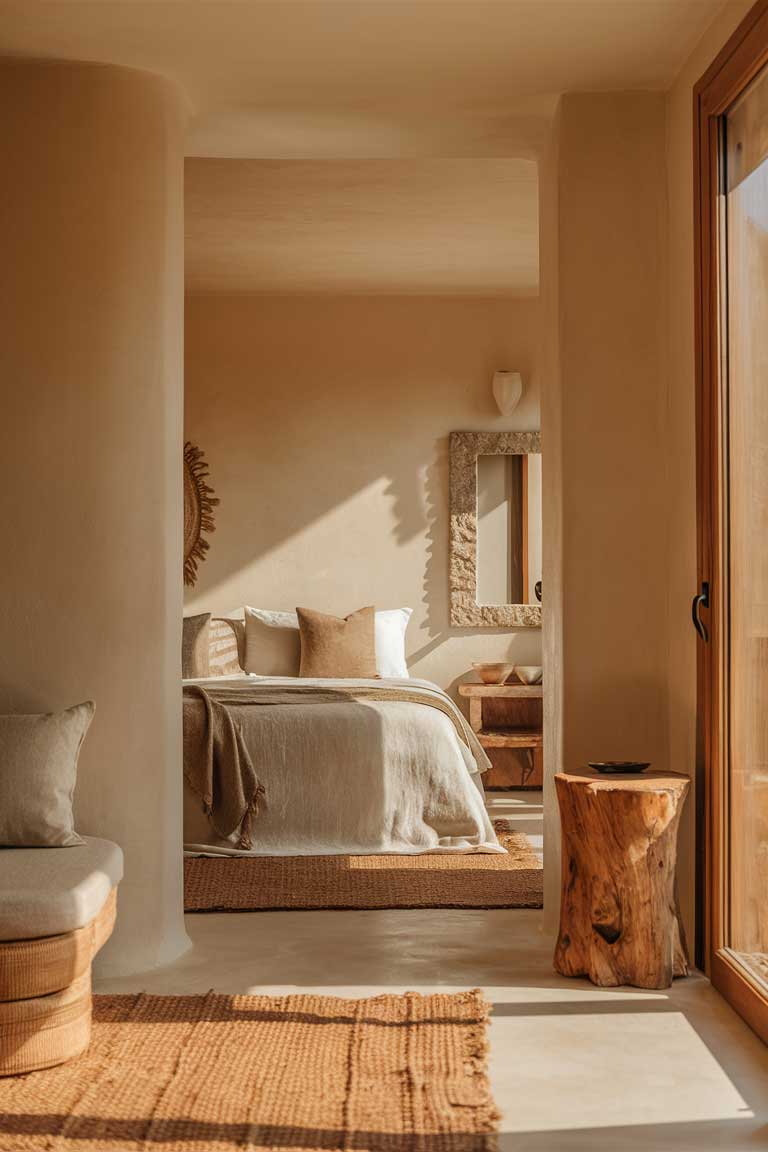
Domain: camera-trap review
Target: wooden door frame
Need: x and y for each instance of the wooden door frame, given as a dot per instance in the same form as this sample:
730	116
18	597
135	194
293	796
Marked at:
744	55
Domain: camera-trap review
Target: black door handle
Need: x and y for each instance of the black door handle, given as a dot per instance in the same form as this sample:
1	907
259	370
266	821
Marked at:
701	600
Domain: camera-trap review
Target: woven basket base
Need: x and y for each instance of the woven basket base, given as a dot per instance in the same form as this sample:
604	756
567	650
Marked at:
45	1030
45	995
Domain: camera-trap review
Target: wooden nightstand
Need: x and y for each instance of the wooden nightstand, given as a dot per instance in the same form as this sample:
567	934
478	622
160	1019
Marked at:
508	718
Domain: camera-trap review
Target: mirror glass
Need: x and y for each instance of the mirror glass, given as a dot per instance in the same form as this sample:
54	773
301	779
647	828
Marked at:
508	528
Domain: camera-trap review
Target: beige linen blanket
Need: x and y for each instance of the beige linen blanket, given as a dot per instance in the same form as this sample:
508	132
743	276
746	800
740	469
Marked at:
348	767
217	765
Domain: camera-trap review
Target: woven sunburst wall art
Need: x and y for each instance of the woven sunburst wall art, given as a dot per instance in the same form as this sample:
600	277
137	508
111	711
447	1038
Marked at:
199	502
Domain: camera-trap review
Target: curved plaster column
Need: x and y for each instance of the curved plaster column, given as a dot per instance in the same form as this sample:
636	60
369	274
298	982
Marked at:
91	293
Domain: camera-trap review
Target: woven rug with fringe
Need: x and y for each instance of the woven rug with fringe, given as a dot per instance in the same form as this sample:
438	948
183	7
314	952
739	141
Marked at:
281	883
318	1073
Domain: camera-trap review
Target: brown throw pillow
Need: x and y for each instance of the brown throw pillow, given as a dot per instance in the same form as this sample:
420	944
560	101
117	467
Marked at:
195	660
336	648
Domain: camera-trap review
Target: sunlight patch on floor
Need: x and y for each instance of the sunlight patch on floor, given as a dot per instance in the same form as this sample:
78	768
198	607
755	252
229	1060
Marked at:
608	1000
609	1071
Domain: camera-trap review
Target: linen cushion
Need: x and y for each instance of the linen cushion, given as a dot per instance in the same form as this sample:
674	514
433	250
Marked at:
273	643
195	638
47	891
38	769
226	644
336	647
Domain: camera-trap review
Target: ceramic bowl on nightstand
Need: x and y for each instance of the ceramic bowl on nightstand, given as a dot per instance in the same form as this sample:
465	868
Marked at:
529	673
492	673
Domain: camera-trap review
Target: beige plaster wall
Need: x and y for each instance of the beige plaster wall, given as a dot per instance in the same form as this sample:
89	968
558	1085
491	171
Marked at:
606	557
325	421
680	418
612	265
552	513
90	455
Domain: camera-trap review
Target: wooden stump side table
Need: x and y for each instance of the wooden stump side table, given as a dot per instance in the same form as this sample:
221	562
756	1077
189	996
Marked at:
619	915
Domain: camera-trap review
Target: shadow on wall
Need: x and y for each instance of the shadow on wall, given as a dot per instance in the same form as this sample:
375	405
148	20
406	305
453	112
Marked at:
326	422
410	504
302	403
436	597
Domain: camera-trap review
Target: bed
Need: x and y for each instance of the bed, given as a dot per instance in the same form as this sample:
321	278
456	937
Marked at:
344	767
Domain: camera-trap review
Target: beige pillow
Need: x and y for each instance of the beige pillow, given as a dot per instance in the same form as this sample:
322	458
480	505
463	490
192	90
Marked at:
195	659
272	642
338	648
38	768
226	643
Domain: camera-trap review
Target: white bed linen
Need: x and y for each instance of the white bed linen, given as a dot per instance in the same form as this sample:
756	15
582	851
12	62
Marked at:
359	776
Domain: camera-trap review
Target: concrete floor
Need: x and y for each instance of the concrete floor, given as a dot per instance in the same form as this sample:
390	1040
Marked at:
573	1067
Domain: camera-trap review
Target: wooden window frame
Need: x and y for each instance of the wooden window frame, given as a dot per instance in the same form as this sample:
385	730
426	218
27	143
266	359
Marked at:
741	59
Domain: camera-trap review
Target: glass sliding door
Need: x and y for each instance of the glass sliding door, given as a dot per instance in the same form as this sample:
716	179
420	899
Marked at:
745	268
730	607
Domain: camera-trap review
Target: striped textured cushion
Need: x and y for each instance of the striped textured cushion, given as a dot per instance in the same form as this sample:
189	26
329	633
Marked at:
226	647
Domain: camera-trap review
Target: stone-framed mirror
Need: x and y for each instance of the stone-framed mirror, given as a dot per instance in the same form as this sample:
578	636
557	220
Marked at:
495	531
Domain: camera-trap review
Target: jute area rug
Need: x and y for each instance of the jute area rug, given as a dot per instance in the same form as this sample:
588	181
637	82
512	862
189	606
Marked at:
315	1073
260	883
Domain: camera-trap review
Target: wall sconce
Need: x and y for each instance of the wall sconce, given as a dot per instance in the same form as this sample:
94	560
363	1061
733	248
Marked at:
507	390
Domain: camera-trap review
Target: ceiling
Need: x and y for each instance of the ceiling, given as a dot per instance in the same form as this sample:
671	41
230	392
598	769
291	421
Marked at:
385	226
369	78
319	129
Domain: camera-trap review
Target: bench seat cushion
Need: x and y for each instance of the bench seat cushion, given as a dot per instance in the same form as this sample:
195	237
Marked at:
47	891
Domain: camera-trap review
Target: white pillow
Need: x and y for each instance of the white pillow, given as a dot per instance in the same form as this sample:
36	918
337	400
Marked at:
390	626
273	643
